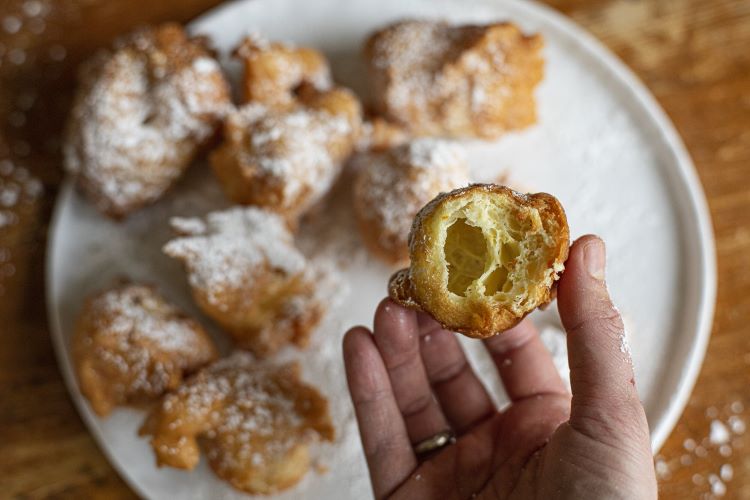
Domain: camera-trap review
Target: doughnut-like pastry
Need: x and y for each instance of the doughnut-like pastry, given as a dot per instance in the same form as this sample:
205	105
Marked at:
395	184
456	81
378	134
246	274
254	421
483	257
142	111
130	346
287	160
275	71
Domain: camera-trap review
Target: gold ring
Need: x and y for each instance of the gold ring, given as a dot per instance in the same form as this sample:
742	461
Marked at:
434	443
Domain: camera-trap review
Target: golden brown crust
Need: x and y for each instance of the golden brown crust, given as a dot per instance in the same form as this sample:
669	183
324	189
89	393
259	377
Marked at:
130	346
460	81
274	72
254	421
508	282
143	110
379	134
286	160
246	274
393	185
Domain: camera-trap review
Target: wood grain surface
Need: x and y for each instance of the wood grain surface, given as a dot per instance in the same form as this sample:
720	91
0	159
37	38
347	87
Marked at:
693	55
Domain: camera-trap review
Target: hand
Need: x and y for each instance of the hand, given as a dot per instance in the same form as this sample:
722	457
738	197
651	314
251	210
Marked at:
410	380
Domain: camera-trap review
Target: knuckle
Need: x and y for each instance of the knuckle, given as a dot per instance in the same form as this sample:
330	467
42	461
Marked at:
416	404
609	417
601	319
512	340
449	372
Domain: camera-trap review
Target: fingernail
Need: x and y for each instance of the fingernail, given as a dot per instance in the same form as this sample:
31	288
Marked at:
594	258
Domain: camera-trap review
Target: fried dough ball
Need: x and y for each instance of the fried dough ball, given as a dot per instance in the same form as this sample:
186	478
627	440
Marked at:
142	111
392	186
378	134
246	274
287	160
130	346
274	71
255	423
456	81
483	257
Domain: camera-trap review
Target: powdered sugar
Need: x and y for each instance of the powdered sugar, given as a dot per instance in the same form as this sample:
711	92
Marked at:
134	313
443	79
251	414
138	118
719	433
393	186
19	193
228	248
290	149
722	438
137	344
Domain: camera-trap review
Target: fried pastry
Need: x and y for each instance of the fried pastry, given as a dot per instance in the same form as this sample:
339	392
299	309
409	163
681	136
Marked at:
130	346
483	257
378	134
246	274
274	71
287	160
255	423
392	186
456	81
142	111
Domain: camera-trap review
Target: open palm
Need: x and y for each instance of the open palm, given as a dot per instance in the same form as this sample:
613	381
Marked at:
410	380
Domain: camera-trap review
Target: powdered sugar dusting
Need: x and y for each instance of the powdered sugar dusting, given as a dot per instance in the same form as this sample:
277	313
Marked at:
139	345
394	185
291	147
719	433
19	195
224	251
724	435
442	79
17	187
135	312
251	416
139	117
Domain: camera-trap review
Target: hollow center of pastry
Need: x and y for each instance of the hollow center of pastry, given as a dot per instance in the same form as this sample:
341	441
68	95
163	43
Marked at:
497	251
466	255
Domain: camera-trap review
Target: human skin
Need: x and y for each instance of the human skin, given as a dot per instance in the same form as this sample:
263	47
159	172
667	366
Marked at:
409	379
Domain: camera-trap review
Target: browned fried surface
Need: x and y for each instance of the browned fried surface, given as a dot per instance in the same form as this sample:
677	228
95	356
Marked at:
510	275
246	274
471	80
274	71
287	159
130	346
253	422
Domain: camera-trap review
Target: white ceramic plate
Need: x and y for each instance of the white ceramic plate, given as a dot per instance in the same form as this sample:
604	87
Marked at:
603	147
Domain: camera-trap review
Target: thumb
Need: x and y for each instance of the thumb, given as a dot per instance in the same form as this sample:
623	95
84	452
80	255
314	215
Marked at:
601	371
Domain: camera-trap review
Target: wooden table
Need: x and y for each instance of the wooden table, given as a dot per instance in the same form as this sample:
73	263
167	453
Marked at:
694	56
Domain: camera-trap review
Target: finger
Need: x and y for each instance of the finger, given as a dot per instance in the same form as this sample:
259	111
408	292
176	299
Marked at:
524	363
397	338
462	396
386	445
601	371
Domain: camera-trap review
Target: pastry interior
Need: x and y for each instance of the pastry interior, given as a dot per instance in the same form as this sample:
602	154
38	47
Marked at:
495	248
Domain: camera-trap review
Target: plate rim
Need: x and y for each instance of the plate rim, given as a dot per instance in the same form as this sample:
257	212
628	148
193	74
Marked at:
695	205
